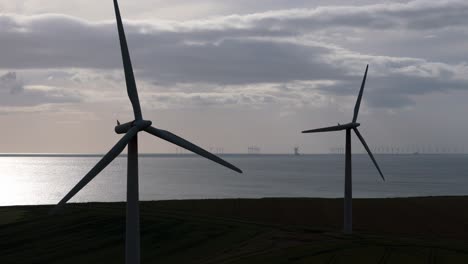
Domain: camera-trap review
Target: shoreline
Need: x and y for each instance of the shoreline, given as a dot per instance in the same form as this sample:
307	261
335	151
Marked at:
249	198
237	231
442	216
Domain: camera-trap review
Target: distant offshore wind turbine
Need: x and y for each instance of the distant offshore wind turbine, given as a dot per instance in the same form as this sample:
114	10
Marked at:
348	206
131	130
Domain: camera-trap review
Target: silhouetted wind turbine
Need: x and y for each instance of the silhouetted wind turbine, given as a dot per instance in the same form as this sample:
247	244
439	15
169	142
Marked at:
131	130
348	210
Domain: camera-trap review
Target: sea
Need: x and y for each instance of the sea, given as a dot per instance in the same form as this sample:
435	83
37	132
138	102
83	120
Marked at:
45	179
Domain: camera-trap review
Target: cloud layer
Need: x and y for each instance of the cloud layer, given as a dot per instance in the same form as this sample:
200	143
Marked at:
278	65
278	47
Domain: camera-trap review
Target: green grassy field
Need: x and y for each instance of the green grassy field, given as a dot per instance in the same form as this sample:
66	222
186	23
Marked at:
412	230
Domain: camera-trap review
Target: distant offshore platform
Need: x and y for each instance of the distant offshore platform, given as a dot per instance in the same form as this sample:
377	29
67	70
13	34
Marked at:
296	151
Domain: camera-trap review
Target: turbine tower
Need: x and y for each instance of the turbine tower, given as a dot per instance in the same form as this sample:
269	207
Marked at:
348	210
131	130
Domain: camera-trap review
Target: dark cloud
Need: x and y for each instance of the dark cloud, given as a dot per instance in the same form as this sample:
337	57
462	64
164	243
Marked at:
62	41
13	93
282	47
8	82
396	90
168	57
235	61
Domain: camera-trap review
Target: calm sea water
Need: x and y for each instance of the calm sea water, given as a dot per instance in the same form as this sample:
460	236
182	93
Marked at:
45	180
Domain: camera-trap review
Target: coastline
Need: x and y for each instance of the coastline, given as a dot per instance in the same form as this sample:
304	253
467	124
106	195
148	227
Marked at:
239	230
443	216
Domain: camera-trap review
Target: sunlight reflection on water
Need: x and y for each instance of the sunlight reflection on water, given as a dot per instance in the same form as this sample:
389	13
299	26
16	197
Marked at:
45	180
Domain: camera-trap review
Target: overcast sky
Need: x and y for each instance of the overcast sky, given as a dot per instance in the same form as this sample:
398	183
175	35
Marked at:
233	73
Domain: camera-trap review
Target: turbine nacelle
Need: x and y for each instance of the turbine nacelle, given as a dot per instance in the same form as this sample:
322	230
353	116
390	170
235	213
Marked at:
350	125
124	128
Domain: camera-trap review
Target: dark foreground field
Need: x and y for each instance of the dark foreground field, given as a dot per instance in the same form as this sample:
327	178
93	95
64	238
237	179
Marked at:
414	230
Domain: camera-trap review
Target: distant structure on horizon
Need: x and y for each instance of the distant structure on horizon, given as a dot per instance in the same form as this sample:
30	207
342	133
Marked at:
337	150
296	151
407	149
254	150
217	150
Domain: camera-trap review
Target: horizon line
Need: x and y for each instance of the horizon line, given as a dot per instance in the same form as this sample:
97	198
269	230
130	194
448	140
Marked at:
149	154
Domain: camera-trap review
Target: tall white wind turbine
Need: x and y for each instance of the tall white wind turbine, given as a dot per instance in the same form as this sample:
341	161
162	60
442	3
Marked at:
348	207
131	130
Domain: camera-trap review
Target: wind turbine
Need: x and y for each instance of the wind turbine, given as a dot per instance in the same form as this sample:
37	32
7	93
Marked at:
348	206
131	130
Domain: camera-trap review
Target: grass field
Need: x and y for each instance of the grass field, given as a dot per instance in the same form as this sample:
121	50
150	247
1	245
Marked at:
410	230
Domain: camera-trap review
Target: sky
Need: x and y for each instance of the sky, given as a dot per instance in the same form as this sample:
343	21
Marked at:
231	74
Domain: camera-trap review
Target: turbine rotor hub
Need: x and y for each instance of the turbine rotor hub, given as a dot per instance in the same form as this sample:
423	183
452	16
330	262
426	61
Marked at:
124	128
142	124
355	124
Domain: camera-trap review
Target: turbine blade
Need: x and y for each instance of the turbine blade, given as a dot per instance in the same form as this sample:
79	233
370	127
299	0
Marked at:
168	136
358	102
108	158
326	129
127	63
368	151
